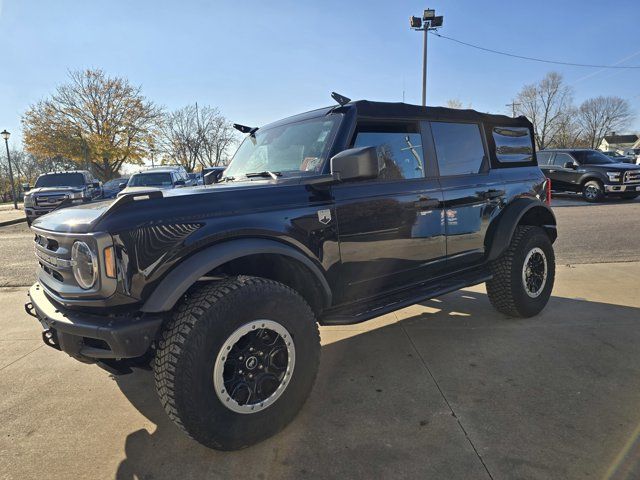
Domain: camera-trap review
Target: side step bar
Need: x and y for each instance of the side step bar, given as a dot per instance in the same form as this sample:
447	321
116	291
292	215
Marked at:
361	312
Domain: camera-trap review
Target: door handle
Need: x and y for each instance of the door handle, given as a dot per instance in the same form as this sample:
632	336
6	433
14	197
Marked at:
489	194
551	171
426	203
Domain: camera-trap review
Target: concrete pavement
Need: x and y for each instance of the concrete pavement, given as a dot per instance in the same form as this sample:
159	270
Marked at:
448	389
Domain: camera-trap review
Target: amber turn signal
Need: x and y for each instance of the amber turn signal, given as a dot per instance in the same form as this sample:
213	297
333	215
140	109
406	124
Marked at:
109	262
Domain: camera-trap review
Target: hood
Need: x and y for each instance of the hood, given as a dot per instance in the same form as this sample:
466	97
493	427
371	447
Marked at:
78	218
190	204
55	190
615	167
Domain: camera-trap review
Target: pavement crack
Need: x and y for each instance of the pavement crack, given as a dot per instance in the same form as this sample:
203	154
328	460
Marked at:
20	358
446	401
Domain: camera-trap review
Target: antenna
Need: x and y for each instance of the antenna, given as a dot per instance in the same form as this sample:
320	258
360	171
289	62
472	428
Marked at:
340	99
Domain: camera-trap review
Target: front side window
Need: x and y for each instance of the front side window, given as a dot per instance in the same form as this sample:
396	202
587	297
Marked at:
459	147
400	146
298	148
561	159
592	157
513	144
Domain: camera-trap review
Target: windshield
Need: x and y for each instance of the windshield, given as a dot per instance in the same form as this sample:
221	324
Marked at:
299	148
591	157
150	180
60	180
114	183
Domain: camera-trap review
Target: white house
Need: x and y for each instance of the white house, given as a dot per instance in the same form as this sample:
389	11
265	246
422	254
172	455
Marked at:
623	144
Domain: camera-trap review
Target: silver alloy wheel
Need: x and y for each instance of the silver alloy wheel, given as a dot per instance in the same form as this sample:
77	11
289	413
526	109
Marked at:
534	272
591	192
254	366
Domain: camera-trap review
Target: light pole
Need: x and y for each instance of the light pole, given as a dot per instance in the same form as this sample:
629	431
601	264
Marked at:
152	151
6	136
427	22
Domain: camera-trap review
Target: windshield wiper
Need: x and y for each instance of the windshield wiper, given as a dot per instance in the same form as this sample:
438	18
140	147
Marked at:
265	174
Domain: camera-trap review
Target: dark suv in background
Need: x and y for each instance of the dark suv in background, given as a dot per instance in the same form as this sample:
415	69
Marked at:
333	216
54	189
591	173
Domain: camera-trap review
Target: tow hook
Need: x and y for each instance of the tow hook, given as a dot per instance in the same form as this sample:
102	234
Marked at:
50	337
28	307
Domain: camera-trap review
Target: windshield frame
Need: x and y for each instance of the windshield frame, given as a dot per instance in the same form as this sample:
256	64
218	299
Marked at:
337	120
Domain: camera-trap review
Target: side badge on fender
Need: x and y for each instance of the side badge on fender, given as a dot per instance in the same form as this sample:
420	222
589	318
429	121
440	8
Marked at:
324	216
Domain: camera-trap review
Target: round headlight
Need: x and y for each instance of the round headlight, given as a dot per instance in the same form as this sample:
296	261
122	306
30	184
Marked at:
84	265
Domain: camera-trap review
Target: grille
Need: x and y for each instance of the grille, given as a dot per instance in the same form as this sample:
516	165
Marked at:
50	200
632	176
54	254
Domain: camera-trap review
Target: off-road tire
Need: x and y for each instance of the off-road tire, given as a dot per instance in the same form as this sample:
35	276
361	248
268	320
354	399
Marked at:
593	191
506	289
195	335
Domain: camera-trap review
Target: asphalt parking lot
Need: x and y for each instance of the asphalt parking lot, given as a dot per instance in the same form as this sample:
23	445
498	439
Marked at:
445	389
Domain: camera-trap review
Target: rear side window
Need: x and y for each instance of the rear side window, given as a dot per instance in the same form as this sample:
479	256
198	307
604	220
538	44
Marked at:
401	148
513	144
543	158
459	147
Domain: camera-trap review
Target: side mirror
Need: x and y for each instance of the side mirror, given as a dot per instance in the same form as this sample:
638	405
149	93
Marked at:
570	165
211	177
26	187
95	184
356	164
179	183
122	186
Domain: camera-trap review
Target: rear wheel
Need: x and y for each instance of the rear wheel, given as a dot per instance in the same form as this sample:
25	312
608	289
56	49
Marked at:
593	191
523	276
237	362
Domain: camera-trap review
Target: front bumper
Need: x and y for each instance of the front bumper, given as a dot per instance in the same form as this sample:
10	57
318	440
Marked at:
33	213
622	188
90	337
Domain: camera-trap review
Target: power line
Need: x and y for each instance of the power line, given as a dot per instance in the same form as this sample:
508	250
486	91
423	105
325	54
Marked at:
533	59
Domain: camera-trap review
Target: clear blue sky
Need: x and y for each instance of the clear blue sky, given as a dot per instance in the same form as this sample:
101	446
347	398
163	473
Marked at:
258	61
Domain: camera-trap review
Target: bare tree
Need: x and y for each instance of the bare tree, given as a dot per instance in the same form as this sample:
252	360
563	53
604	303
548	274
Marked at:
195	135
454	103
600	115
94	120
544	104
569	131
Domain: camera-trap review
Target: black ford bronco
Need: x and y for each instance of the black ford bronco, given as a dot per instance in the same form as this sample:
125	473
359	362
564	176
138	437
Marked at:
330	217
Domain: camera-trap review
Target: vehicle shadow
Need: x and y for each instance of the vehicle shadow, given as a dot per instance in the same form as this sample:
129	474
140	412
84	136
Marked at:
576	200
443	389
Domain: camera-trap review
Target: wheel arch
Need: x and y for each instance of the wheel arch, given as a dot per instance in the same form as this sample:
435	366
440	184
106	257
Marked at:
523	211
591	176
249	256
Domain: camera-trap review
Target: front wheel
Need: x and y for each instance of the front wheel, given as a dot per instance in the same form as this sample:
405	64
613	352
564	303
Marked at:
523	276
593	191
237	362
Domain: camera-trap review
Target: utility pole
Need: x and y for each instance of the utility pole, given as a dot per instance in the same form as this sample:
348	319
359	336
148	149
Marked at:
6	135
513	106
427	22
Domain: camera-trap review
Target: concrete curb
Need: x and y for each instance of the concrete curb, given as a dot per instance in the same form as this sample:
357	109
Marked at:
13	222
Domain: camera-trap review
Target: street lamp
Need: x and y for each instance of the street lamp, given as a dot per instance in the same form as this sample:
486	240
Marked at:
6	136
428	21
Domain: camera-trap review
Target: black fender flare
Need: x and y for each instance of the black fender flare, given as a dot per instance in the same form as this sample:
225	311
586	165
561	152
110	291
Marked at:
527	211
184	275
599	176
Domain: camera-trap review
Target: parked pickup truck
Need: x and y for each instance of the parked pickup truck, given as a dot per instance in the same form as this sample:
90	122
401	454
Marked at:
54	189
330	217
591	173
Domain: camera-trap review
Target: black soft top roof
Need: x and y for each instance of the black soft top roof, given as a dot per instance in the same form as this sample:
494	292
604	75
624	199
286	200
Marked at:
366	108
369	109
